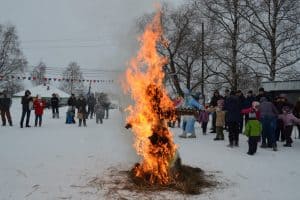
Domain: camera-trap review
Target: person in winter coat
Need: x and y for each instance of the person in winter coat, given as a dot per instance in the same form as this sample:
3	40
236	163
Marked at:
233	108
5	103
288	122
27	106
71	110
39	106
82	112
220	119
213	103
280	102
248	103
296	112
203	119
91	101
55	105
99	111
253	130
268	119
188	126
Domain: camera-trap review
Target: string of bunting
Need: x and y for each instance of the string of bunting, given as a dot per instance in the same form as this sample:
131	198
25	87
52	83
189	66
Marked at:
56	79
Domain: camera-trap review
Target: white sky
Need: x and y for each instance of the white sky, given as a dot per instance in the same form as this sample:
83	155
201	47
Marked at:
94	33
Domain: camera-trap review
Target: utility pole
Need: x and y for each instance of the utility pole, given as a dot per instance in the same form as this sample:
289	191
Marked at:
202	62
72	77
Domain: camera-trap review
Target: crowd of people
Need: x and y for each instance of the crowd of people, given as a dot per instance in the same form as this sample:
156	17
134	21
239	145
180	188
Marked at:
260	117
86	107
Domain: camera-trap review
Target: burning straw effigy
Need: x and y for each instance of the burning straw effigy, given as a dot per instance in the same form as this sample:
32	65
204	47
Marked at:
160	166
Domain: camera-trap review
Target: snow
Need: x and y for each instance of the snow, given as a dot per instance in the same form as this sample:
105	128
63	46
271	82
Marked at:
44	91
49	162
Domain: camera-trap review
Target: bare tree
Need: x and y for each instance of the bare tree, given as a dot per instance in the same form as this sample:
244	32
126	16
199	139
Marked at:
275	34
38	74
12	86
182	44
72	79
12	59
225	18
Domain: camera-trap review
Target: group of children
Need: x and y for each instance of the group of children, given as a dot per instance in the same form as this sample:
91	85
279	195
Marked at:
253	128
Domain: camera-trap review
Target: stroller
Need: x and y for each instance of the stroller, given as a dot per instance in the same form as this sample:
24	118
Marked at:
70	115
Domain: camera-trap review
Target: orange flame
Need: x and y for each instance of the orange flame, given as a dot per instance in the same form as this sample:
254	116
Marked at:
152	108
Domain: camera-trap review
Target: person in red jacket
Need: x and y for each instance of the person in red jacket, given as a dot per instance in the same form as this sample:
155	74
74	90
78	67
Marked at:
39	106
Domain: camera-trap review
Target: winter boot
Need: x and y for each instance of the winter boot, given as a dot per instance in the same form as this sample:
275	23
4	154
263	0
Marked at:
274	146
183	135
192	136
236	144
230	144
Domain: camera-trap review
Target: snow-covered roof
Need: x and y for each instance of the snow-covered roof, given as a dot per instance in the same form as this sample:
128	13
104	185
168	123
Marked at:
44	91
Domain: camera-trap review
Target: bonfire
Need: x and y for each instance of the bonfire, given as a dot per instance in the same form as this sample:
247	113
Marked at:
160	164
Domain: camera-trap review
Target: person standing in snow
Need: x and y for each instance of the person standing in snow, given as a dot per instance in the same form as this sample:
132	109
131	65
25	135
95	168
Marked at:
82	112
71	110
5	103
99	111
188	126
39	106
233	117
253	130
296	112
288	122
220	119
213	103
91	101
55	105
27	106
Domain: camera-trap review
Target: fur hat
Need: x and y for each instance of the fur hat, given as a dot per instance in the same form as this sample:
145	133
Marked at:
255	104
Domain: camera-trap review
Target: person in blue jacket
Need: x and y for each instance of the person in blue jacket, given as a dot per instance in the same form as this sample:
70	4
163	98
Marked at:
188	122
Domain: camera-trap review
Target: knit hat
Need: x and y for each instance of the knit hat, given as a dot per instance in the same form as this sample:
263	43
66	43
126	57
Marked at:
255	105
286	109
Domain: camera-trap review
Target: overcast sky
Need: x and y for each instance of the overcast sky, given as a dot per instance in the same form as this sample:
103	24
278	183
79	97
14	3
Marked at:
94	33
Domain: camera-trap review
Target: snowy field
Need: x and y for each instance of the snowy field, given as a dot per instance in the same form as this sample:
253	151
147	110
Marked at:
52	162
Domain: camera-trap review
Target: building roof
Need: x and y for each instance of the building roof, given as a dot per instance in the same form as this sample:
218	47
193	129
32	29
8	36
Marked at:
281	85
45	91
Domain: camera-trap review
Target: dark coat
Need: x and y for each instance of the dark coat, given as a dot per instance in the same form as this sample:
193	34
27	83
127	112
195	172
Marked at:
214	100
27	102
72	101
233	109
81	106
54	102
91	101
5	102
248	102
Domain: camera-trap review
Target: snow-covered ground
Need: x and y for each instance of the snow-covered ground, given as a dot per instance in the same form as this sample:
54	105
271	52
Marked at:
53	161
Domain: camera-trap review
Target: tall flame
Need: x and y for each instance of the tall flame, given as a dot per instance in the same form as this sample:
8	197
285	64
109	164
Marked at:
152	108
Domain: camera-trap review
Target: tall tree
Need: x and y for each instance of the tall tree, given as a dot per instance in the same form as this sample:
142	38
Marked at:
12	59
224	16
182	44
38	74
275	34
73	79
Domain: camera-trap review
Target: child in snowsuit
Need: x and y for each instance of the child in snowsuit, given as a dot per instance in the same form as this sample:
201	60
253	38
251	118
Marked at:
253	130
220	119
203	119
288	122
39	106
99	111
